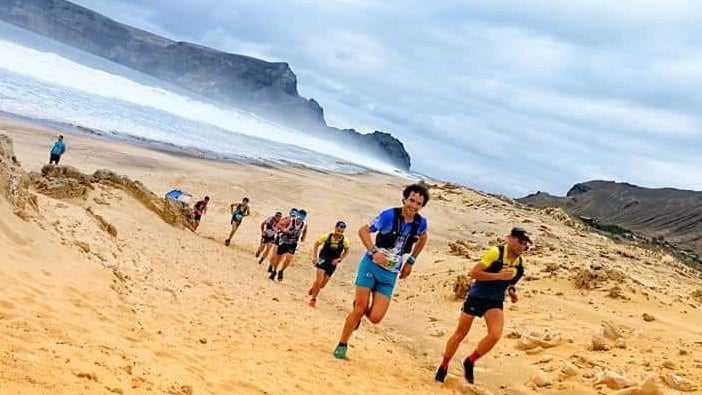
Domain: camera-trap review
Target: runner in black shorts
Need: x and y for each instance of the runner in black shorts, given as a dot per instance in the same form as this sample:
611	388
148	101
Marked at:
335	247
478	306
291	229
239	211
497	272
268	238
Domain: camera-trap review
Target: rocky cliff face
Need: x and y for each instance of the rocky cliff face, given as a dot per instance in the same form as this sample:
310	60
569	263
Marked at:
268	88
666	215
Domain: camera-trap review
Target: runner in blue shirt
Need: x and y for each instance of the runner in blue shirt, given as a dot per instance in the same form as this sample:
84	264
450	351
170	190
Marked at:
401	236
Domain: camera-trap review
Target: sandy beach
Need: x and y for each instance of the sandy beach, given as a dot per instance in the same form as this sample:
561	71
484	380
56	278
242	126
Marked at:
156	308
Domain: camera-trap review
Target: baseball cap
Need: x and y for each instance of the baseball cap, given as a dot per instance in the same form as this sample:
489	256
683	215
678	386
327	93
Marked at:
520	234
341	224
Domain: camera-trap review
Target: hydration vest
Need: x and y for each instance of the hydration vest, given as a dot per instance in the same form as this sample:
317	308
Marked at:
495	290
388	240
497	265
292	232
329	252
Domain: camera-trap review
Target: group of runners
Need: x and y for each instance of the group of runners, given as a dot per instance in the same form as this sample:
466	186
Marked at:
400	236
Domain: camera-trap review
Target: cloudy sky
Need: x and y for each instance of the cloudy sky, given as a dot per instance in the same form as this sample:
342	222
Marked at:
509	97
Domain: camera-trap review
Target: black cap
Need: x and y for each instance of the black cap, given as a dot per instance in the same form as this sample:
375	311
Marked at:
520	234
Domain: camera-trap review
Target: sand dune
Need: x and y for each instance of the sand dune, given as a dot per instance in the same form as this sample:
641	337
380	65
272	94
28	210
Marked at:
156	308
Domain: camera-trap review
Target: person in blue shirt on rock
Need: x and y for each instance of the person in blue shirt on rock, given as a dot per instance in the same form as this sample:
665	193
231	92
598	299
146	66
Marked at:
400	231
58	149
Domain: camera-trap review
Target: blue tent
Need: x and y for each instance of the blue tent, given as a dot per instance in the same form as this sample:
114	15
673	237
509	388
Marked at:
177	194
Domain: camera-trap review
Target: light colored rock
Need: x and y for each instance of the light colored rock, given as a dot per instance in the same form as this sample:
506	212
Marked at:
542	379
611	331
569	370
678	382
614	380
648	387
620	343
527	342
598	342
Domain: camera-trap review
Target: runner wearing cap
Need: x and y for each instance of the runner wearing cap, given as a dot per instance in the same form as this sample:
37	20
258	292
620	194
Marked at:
335	247
497	272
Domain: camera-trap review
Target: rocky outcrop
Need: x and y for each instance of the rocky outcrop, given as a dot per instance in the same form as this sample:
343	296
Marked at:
64	182
665	216
14	181
267	88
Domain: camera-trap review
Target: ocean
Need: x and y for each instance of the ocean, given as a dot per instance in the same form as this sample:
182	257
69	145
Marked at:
53	83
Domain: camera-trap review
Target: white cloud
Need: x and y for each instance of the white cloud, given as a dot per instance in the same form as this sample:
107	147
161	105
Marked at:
566	91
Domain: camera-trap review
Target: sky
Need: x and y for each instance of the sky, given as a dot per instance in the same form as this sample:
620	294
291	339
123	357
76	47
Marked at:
509	97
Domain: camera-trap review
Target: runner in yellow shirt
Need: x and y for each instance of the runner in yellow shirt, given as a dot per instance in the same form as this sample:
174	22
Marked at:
335	247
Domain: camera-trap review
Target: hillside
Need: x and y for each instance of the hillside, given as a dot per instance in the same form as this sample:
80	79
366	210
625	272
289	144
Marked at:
667	216
155	308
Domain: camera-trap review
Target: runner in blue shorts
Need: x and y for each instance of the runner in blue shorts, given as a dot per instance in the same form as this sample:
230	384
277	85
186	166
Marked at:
400	231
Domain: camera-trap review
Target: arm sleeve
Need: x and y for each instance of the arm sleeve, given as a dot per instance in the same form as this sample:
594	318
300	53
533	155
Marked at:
489	256
382	221
346	243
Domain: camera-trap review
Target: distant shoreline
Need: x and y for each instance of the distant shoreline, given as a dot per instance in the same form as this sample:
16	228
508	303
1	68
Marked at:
176	150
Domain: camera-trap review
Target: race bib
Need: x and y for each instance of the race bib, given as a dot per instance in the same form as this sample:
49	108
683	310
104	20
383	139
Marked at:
393	260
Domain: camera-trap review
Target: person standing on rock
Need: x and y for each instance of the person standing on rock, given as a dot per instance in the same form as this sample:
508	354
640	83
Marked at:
499	269
399	229
57	150
335	247
239	211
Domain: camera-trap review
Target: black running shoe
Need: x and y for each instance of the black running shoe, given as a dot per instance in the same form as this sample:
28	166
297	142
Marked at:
272	276
270	268
280	276
441	374
257	254
468	370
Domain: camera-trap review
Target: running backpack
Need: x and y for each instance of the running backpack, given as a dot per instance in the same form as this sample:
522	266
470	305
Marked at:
327	247
388	240
497	265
